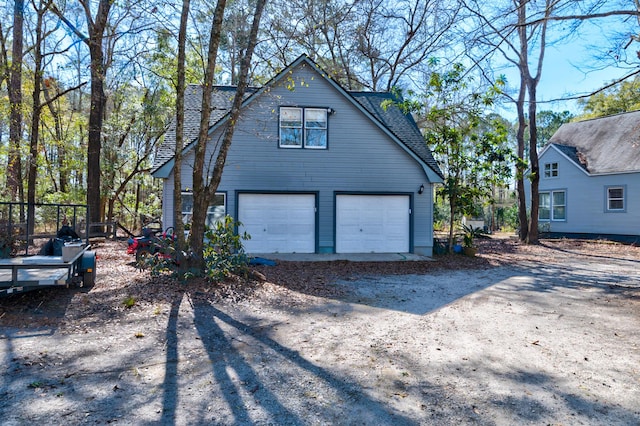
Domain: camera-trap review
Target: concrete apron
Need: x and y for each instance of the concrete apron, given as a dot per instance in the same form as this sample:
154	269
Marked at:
352	257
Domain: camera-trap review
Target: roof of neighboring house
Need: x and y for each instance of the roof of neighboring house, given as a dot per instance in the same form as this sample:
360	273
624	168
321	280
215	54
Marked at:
605	145
400	126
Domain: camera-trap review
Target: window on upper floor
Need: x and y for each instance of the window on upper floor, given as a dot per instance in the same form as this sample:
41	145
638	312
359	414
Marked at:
551	170
303	128
553	206
615	199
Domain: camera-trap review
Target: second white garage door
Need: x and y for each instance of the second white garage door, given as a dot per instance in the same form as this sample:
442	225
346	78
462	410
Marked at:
278	223
372	223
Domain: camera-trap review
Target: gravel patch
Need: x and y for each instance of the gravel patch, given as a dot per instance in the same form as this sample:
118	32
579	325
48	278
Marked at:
543	334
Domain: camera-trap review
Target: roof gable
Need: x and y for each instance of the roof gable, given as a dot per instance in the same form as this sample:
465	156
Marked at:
400	127
605	145
569	152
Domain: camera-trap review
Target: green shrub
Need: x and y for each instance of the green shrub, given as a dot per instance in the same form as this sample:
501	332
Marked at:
223	251
507	217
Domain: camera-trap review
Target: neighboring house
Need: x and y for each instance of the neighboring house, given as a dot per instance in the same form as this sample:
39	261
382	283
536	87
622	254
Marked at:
590	179
313	168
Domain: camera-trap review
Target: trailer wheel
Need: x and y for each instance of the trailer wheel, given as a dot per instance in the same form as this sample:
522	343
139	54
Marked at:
89	278
87	269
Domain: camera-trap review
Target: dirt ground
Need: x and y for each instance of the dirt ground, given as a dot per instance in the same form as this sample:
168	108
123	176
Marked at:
518	335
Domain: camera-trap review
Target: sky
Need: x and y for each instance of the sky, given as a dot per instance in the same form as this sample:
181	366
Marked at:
571	66
566	74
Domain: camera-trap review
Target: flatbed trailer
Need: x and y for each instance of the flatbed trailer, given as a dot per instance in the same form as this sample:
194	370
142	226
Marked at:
24	273
76	265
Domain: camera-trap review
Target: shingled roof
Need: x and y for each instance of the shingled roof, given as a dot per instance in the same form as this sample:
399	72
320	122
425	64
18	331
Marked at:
603	145
221	100
399	125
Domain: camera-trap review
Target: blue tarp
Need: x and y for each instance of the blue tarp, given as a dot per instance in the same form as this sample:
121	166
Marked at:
261	261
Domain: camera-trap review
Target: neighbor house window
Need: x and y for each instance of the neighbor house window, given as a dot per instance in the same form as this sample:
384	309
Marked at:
215	213
551	170
303	128
615	198
553	206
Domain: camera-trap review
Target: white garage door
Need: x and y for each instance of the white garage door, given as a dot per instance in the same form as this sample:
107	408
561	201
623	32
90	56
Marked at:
372	223
278	223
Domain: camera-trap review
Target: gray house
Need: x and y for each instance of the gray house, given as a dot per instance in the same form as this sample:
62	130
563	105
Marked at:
313	168
590	179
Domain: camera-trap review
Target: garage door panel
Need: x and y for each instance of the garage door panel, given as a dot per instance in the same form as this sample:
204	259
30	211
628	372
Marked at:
372	223
278	223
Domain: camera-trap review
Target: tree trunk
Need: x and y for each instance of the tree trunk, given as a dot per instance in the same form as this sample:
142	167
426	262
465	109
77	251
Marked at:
532	84
35	122
532	236
200	199
521	166
14	166
178	225
234	115
452	213
96	29
94	143
523	68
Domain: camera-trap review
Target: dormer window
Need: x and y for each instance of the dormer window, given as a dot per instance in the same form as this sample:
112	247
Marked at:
303	128
550	170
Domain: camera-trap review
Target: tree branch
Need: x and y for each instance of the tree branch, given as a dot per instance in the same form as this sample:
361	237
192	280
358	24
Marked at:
584	17
60	94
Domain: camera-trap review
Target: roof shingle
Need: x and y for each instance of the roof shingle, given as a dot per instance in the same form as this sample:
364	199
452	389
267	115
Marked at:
602	145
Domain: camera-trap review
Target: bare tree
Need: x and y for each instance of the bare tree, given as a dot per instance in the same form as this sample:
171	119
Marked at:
373	44
418	29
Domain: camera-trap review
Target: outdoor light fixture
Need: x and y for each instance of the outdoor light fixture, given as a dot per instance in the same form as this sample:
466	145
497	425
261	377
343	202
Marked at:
331	111
421	190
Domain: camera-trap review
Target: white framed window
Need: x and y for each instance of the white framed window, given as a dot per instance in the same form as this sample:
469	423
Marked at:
550	170
215	213
553	206
303	128
290	127
615	198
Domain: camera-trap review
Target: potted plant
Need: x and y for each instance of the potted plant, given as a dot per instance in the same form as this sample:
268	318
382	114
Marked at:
469	233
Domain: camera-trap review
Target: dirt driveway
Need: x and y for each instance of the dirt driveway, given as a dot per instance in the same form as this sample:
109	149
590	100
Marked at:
520	335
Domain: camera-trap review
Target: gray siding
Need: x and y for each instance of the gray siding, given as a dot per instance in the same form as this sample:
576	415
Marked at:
586	199
360	158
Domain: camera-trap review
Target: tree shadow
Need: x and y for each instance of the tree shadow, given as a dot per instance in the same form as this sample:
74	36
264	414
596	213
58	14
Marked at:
545	398
582	253
261	380
170	385
417	294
